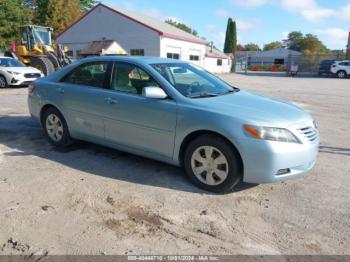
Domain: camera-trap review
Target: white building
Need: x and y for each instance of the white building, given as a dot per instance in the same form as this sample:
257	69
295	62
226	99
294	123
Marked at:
216	61
141	35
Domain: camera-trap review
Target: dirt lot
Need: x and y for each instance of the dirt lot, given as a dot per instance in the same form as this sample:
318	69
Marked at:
88	199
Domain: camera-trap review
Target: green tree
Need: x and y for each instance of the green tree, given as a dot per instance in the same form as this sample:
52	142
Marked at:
308	44
40	6
40	10
62	13
294	41
182	26
57	14
230	46
273	45
312	45
13	14
252	47
86	5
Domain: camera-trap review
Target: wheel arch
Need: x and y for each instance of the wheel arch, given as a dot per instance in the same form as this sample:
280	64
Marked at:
195	134
45	108
3	75
342	70
7	82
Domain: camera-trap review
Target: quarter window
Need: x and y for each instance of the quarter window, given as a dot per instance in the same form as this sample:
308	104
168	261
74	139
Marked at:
173	56
130	79
89	74
137	52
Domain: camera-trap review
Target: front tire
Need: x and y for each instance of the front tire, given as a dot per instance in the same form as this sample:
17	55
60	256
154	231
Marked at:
56	128
43	64
3	82
341	74
212	164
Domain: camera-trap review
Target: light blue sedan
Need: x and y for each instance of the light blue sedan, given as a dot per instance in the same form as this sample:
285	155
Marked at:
177	113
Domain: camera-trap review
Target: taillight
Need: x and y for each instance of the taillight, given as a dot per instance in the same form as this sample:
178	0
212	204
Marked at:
31	88
334	65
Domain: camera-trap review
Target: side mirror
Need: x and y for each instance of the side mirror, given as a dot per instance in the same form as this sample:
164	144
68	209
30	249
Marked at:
154	92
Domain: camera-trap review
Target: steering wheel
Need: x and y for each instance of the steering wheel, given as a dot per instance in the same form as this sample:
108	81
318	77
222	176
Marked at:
193	88
195	84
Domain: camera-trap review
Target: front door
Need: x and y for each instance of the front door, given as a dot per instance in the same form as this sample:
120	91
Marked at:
135	121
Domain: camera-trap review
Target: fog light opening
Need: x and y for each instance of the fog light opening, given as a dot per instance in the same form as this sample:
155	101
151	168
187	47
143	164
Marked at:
282	172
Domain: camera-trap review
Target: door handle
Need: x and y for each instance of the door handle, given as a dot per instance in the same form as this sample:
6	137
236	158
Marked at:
111	101
60	90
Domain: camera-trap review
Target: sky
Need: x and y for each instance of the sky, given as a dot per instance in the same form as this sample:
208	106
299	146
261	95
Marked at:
258	21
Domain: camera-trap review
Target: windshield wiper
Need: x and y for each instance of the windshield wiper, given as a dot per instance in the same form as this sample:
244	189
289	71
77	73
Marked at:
204	94
230	91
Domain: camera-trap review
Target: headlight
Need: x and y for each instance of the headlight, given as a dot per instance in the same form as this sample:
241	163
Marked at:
13	73
271	133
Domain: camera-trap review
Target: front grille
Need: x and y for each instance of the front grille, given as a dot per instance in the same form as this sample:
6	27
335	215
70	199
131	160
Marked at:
32	75
310	133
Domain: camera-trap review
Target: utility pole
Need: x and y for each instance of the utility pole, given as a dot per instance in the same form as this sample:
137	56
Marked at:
348	48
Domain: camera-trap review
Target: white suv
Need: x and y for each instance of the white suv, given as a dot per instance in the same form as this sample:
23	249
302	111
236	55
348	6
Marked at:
14	73
341	68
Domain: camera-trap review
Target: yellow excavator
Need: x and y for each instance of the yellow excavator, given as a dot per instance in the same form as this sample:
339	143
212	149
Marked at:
37	50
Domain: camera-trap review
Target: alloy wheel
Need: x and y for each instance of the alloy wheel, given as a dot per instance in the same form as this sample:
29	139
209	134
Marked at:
341	74
3	83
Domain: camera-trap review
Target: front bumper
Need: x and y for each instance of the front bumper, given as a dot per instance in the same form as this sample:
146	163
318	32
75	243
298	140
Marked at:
21	81
264	160
270	161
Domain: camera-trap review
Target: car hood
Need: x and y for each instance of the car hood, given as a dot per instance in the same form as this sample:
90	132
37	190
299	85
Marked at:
23	69
255	108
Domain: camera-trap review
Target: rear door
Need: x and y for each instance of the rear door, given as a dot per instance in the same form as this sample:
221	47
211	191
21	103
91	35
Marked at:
83	99
135	121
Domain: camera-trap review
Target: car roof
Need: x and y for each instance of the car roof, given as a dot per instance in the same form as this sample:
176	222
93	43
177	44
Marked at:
135	59
6	57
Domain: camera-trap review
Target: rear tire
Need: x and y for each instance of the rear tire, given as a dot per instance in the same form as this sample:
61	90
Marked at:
341	74
212	164
43	64
3	82
55	127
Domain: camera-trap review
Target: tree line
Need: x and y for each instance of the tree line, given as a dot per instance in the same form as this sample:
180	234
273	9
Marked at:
57	14
308	44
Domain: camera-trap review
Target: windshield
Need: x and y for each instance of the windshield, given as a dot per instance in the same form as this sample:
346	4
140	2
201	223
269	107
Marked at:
9	62
42	36
192	81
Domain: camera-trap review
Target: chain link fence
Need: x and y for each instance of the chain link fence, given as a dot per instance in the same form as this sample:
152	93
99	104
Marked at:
291	64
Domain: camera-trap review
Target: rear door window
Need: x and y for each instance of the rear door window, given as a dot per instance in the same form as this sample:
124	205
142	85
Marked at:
92	74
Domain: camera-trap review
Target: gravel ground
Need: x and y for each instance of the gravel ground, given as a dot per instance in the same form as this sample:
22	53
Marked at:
88	199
